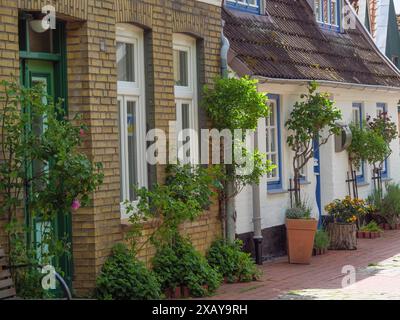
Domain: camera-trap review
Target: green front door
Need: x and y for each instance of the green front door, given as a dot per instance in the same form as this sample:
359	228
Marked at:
43	72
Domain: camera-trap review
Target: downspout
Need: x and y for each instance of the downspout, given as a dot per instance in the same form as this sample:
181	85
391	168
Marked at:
228	210
224	53
257	237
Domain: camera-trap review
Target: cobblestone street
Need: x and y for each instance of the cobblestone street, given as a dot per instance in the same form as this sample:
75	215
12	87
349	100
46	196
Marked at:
377	265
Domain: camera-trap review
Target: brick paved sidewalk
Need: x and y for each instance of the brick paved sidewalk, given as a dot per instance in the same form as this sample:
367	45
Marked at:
280	278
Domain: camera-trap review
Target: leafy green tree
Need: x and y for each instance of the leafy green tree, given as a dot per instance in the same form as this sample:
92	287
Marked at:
387	129
367	145
312	119
232	104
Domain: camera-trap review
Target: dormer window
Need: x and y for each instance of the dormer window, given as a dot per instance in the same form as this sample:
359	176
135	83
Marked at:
327	13
251	6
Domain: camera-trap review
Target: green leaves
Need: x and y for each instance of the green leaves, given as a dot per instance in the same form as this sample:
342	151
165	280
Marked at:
179	264
41	159
312	119
232	262
235	103
310	116
123	277
321	240
184	197
367	145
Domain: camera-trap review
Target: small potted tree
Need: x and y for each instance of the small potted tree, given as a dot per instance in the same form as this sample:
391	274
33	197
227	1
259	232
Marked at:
312	122
300	230
321	243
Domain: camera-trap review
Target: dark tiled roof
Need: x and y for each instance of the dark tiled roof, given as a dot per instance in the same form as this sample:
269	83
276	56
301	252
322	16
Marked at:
287	43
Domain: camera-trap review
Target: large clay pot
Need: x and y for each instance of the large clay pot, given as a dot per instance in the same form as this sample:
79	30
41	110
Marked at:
300	239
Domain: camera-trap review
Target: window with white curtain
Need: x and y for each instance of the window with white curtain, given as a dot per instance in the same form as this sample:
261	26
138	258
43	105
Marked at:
185	77
251	6
380	109
357	119
131	111
272	125
327	13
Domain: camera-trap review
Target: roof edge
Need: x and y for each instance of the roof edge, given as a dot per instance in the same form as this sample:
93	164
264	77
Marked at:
335	84
372	42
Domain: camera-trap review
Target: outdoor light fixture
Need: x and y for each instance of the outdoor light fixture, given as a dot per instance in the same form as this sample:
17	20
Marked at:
39	25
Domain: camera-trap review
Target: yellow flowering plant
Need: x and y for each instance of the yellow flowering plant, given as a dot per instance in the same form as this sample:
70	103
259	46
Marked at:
348	210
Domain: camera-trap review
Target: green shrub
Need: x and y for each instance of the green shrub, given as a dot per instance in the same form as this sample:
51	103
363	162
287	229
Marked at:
167	267
232	262
321	240
372	227
180	264
123	277
387	207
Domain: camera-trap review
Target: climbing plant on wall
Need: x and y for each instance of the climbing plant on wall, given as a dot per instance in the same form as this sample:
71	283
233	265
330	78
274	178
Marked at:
42	171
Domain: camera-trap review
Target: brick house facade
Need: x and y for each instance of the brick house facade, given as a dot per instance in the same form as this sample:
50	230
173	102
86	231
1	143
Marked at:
91	75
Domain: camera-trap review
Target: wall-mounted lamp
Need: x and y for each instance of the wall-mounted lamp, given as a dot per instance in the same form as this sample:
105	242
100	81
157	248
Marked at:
39	25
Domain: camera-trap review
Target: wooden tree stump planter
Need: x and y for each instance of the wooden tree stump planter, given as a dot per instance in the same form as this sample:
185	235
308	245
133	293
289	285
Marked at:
343	236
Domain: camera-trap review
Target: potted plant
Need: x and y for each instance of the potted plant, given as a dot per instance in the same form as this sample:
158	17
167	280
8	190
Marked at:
387	206
346	214
321	242
370	231
300	230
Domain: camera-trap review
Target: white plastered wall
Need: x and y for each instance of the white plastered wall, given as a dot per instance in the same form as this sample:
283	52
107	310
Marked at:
333	165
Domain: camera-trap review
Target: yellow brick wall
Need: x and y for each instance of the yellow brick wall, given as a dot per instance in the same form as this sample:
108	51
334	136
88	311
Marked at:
9	61
161	19
92	92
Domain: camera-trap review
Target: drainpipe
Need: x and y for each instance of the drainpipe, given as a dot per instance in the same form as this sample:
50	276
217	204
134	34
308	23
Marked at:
257	237
229	206
224	53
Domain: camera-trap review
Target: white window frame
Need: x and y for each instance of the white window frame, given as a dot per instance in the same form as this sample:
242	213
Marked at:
268	128
187	94
321	13
132	91
246	3
357	109
382	107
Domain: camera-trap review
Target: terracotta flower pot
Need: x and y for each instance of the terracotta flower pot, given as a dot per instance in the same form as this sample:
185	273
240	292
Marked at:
176	293
300	239
319	251
185	292
168	293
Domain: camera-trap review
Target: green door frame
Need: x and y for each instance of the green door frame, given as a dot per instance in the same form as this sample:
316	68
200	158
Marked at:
51	65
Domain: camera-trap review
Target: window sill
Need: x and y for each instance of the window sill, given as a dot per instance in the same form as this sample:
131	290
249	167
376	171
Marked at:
304	182
386	179
277	191
362	184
